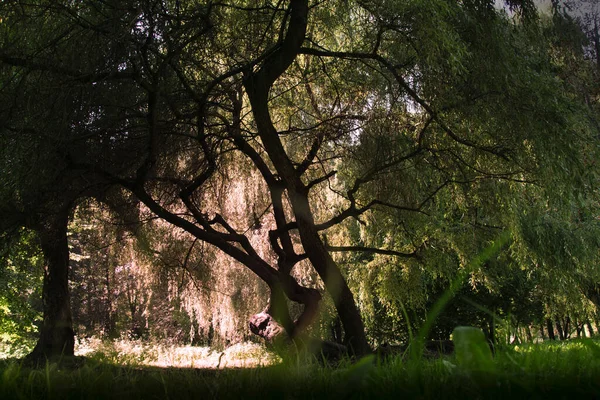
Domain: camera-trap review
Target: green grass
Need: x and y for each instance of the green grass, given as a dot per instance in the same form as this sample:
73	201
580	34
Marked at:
542	371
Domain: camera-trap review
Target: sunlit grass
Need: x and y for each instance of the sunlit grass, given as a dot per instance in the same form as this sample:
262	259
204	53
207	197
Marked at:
158	354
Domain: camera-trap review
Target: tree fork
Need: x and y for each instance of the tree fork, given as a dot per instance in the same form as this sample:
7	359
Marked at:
258	85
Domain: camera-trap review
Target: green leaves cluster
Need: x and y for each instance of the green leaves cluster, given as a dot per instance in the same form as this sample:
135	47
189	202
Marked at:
20	287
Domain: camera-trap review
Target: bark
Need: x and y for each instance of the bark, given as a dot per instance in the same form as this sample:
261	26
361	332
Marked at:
596	40
275	321
550	328
331	275
57	337
559	328
542	333
590	329
265	326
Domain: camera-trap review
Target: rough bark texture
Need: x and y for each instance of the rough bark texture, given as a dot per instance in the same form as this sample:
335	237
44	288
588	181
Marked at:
56	338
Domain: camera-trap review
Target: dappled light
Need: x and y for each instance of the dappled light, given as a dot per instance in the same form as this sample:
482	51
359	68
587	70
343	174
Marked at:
142	353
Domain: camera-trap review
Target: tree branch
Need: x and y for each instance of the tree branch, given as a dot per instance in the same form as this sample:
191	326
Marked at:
372	250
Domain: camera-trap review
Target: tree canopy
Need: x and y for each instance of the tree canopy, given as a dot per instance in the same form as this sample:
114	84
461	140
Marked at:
364	148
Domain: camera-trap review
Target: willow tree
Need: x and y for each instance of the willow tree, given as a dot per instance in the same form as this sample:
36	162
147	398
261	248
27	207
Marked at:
540	188
177	91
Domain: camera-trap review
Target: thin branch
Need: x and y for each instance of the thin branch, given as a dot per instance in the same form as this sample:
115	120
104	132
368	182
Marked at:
496	150
372	250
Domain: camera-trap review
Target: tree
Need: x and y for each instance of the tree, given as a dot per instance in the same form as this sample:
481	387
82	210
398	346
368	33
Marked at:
323	101
40	127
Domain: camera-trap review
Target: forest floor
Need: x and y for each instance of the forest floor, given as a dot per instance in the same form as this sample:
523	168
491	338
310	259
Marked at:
142	371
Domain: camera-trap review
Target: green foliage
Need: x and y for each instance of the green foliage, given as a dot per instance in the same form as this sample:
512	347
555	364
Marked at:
515	93
20	289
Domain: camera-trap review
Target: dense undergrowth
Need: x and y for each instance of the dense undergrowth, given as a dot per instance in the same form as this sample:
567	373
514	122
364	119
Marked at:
544	370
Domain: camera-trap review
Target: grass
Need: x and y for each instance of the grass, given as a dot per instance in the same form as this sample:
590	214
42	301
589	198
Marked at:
540	371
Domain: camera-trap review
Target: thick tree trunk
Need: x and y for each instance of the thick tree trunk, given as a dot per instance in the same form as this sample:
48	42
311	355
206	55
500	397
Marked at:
266	325
592	292
328	270
56	333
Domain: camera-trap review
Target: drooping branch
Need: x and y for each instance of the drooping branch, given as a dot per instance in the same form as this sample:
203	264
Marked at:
389	66
373	250
59	70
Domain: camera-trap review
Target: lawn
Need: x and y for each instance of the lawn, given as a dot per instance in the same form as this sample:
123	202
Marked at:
536	371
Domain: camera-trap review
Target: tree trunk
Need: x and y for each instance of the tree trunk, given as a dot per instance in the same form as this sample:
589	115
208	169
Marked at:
550	328
542	333
492	327
528	334
590	329
596	40
334	281
559	328
110	328
57	337
591	290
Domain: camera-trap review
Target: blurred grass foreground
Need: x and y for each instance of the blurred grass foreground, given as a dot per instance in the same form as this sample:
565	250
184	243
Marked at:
135	370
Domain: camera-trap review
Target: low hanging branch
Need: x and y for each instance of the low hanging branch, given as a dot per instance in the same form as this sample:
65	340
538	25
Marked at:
373	250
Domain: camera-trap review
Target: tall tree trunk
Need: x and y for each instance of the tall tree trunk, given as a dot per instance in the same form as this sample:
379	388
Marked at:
110	329
550	328
57	337
528	334
596	40
328	270
542	333
590	329
559	328
492	327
